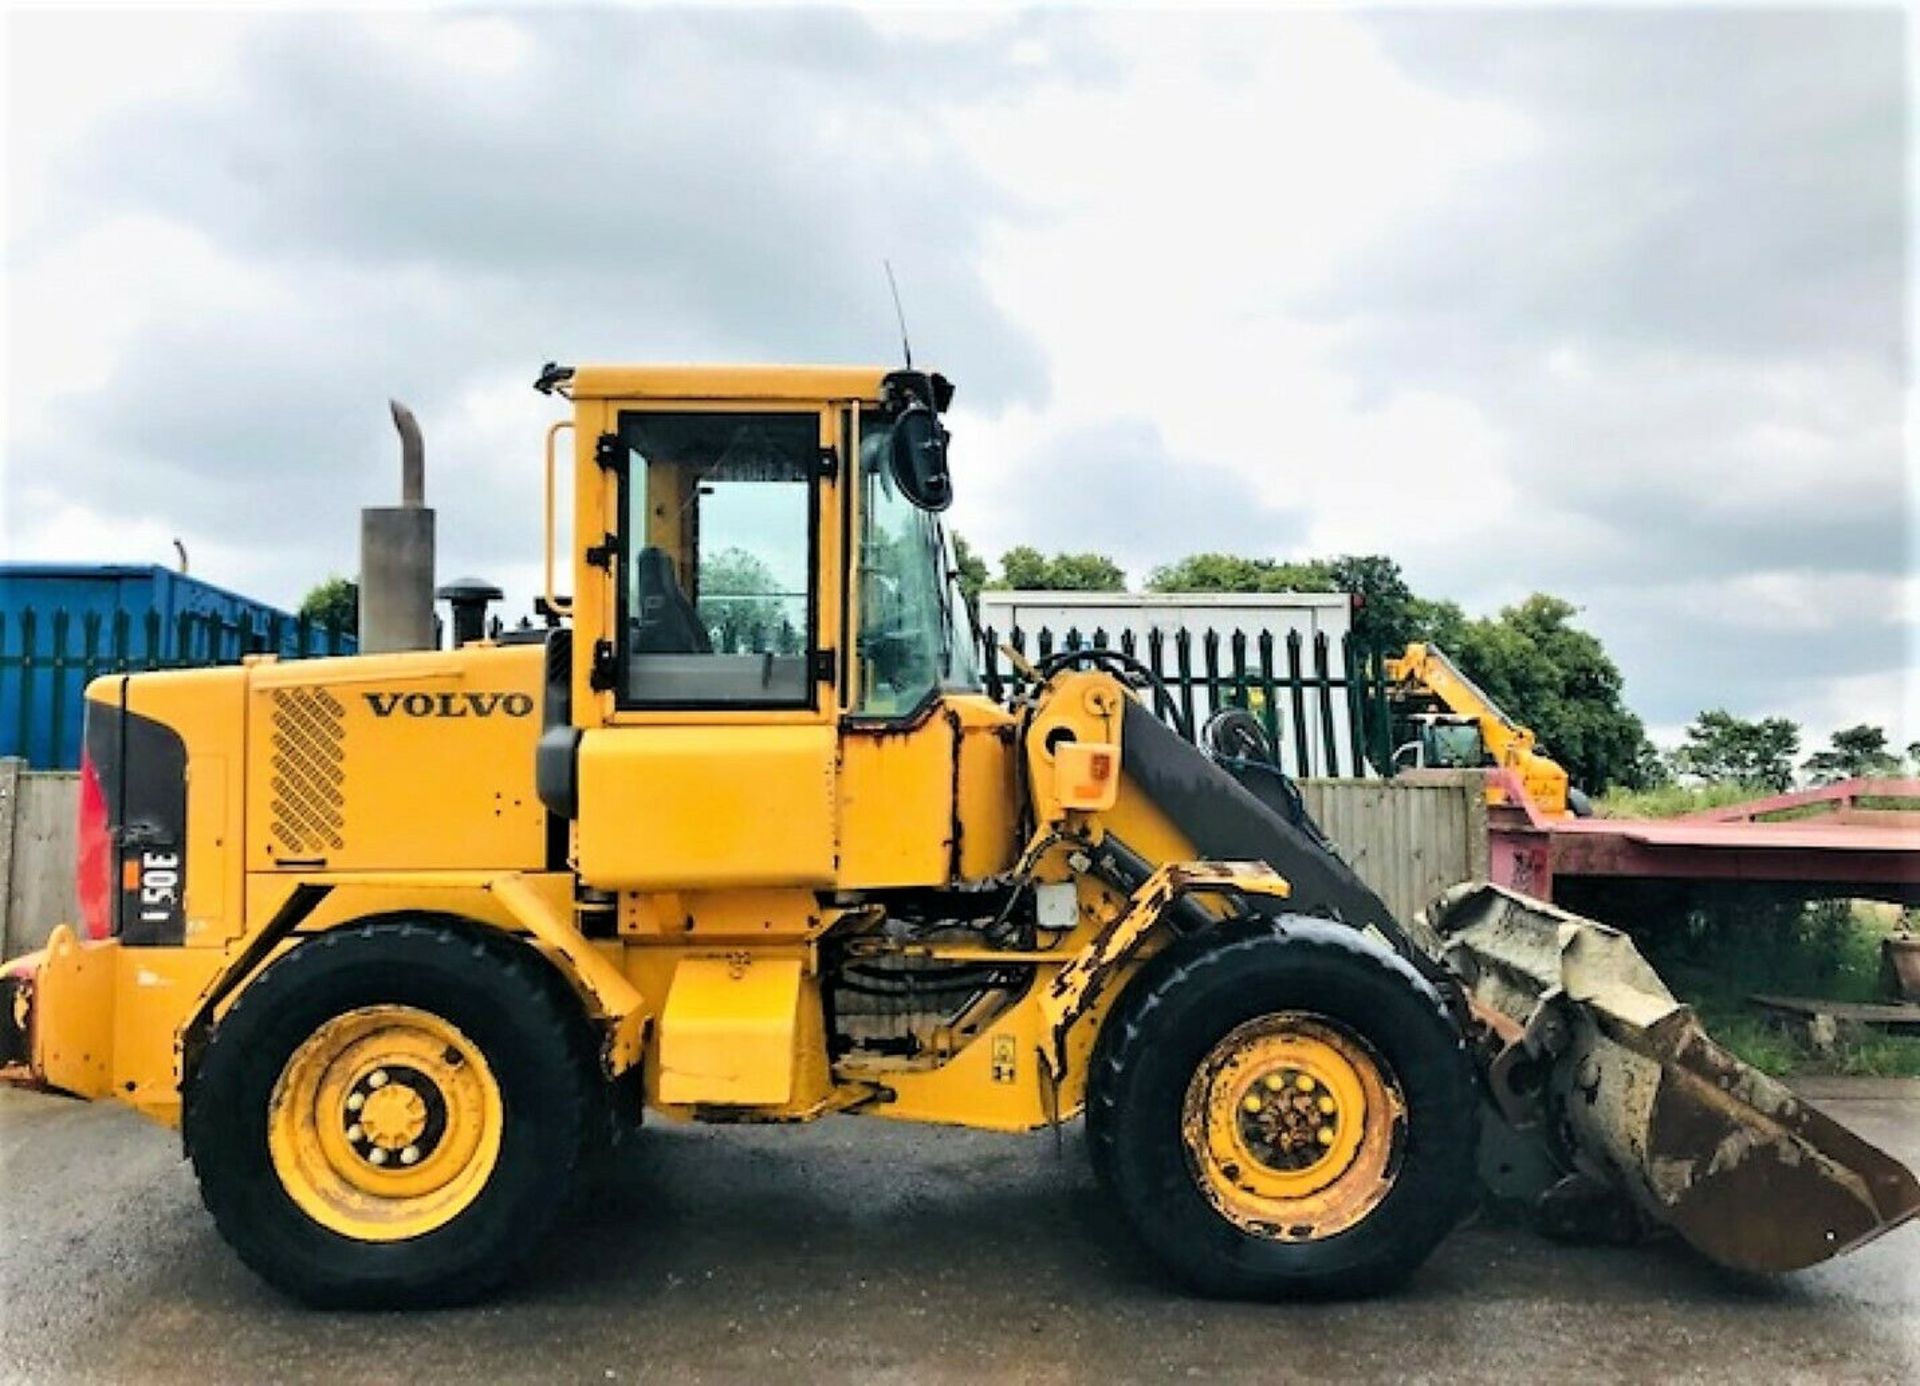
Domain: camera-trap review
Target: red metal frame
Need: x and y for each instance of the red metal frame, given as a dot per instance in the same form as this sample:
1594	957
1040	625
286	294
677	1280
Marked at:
1846	851
1843	799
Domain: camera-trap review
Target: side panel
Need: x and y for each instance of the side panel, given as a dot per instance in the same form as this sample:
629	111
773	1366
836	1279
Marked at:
898	823
396	762
988	786
728	1032
106	1017
155	991
682	807
931	801
170	771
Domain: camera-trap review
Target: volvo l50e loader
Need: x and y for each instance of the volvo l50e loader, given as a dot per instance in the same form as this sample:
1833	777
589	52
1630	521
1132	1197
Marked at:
401	942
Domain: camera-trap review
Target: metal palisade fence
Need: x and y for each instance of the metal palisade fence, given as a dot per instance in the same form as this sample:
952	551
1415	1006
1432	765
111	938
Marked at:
1321	700
47	659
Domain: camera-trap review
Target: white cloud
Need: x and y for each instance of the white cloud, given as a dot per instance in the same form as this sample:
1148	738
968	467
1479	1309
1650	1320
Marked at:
1605	305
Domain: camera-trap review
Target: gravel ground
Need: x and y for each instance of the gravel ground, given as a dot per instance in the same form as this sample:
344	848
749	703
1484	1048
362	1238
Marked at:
859	1250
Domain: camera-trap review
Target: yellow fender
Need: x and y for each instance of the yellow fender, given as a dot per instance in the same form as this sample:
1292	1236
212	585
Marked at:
1078	985
541	912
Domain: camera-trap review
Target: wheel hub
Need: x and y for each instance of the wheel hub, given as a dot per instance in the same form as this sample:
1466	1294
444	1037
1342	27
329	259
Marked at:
385	1124
1289	1119
397	1113
1291	1124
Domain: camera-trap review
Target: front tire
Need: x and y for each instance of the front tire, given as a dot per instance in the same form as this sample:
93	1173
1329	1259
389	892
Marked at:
1284	1110
391	1115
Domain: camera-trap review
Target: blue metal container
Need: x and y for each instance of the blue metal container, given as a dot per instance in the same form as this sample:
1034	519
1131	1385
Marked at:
63	624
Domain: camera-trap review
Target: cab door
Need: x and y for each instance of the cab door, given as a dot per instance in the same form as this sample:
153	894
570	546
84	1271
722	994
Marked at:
714	764
926	789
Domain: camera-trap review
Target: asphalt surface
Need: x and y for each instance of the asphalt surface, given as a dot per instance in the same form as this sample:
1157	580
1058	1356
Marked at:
858	1250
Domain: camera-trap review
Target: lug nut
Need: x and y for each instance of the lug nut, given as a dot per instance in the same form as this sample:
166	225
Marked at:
410	1155
377	1155
356	1133
355	1101
377	1079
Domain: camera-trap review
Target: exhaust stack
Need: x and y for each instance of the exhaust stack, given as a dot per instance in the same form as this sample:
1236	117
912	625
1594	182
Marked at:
396	555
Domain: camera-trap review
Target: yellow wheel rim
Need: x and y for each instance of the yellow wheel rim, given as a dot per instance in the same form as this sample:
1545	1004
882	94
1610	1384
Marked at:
1292	1126
385	1124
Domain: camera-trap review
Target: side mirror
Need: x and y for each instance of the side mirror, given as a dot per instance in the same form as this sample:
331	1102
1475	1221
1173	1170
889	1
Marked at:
920	457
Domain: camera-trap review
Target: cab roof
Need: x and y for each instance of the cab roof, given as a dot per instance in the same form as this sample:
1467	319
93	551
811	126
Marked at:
730	382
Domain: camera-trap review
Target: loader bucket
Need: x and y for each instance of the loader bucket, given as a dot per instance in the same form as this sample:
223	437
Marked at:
1587	1047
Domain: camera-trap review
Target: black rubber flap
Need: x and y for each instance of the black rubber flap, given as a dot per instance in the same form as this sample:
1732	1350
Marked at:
1226	823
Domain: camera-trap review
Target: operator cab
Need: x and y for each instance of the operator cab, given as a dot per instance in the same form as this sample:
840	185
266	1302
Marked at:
766	612
1442	741
725	517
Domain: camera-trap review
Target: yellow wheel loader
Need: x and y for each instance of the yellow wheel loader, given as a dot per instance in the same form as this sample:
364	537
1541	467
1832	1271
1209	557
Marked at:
402	943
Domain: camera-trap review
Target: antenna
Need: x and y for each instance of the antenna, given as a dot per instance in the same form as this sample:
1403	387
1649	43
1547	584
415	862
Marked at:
906	347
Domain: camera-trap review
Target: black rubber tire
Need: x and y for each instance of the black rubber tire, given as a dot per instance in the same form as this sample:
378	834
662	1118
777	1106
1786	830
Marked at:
1182	1003
498	993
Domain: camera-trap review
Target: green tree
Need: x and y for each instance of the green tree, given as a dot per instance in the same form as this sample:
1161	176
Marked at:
1858	752
1722	747
1228	572
1387	614
1550	675
335	603
1022	568
970	568
1434	623
1027	569
742	607
1383	613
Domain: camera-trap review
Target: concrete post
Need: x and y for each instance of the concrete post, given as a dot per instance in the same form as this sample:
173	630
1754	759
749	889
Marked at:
396	555
10	769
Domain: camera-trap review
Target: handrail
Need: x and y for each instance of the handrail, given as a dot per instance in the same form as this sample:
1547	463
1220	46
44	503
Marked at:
554	603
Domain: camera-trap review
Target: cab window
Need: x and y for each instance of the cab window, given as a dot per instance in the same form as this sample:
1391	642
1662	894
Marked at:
912	640
717	562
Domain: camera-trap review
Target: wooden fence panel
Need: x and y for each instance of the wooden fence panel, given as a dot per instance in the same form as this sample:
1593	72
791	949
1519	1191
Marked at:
39	823
1408	838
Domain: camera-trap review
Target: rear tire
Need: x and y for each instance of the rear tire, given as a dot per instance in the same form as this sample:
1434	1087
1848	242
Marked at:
391	1115
1305	1033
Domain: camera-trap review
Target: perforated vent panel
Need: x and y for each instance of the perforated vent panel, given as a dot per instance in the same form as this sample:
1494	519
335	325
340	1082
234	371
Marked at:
309	775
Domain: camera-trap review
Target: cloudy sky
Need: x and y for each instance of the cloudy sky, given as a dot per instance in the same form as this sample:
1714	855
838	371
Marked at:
1612	304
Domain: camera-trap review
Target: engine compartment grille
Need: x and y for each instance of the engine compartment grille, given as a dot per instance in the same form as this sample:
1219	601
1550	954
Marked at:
308	771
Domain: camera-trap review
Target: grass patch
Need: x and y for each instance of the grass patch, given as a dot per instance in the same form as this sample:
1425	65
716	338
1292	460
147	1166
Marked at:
1672	800
1728	944
1766	1044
